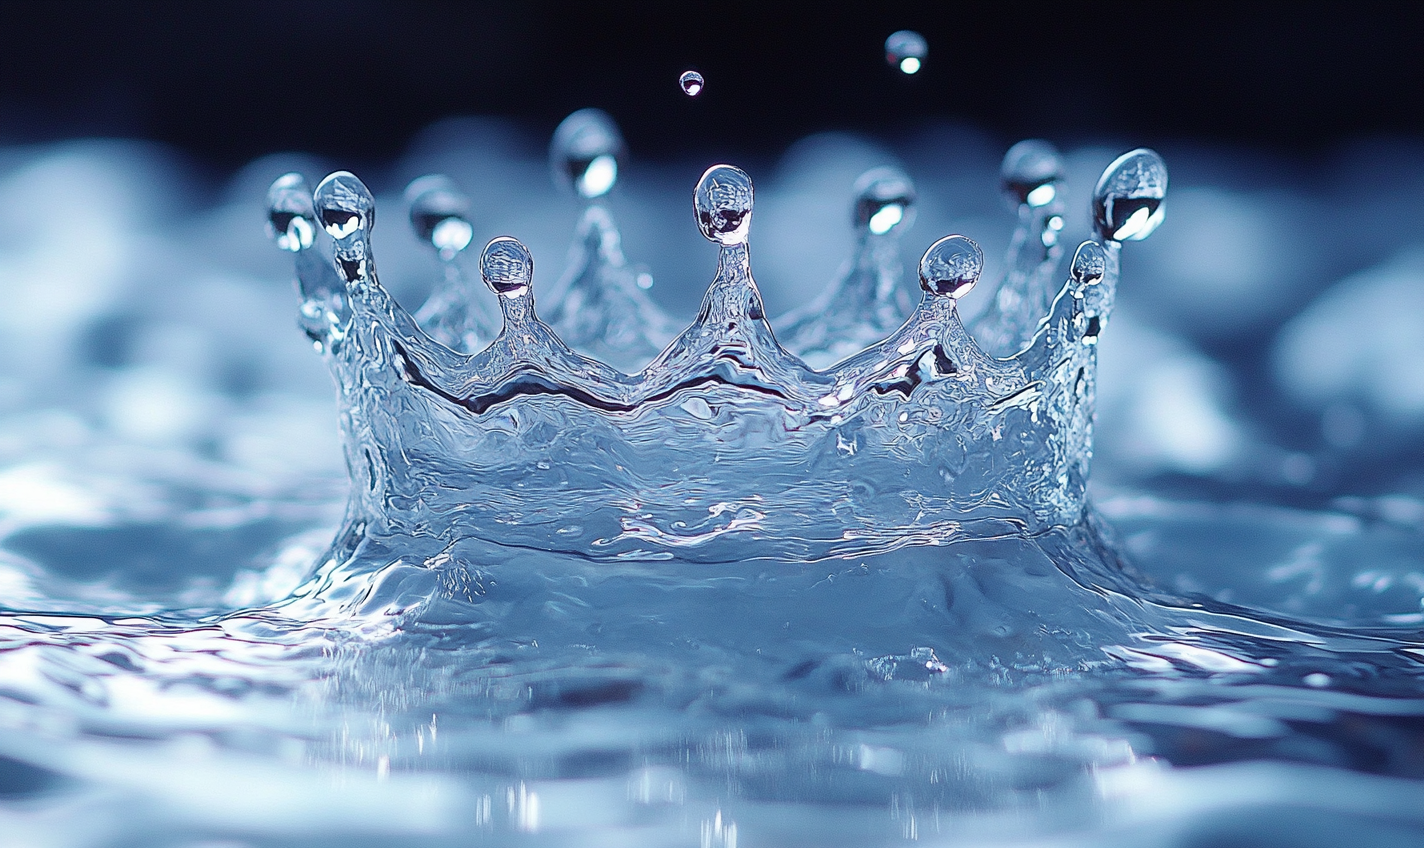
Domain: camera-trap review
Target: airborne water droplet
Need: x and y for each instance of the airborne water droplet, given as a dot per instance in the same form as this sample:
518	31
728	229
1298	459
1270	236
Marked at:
290	217
885	200
1127	201
585	152
723	201
951	267
344	205
507	266
1030	172
906	50
691	82
439	214
1089	264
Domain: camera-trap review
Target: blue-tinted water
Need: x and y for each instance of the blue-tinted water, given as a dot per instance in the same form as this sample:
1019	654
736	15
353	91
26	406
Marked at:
1231	655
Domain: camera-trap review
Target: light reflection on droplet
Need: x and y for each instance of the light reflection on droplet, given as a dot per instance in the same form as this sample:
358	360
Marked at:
1042	196
439	214
290	217
951	267
906	50
691	82
507	266
1030	173
584	152
1127	202
298	235
452	235
599	177
344	205
885	199
723	203
881	222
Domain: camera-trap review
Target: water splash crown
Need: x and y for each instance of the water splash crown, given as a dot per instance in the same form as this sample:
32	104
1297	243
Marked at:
720	443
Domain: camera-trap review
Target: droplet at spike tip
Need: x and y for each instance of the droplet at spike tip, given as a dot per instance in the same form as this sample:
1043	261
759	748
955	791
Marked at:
986	429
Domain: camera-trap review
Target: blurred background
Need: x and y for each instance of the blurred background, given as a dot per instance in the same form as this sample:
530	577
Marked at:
1268	343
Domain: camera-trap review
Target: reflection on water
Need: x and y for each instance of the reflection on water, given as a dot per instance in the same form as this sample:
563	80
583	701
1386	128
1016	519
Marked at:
177	667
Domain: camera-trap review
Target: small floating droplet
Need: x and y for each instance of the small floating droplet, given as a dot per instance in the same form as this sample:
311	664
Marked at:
723	201
439	214
1089	264
507	266
1031	171
344	205
691	82
951	267
885	200
1127	201
585	152
906	50
291	221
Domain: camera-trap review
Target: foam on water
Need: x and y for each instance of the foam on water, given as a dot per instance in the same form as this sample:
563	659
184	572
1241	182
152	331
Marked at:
185	660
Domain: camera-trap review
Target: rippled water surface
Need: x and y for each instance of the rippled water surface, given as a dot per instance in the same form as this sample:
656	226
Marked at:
1230	653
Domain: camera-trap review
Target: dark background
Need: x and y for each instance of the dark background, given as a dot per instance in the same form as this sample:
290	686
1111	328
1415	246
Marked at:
229	82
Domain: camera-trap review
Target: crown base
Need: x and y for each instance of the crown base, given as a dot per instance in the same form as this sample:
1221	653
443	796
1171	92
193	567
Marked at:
713	472
1055	601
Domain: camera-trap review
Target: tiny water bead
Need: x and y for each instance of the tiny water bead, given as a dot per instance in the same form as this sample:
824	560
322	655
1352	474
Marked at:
1088	270
869	297
439	214
344	205
906	50
507	266
1127	201
885	200
691	82
1089	264
585	152
1031	172
951	267
598	305
290	217
723	200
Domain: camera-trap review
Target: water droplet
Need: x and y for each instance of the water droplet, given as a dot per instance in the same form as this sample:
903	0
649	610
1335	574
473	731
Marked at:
439	214
507	266
885	200
906	50
951	267
1127	202
1030	172
291	220
723	200
585	152
344	205
691	82
1090	263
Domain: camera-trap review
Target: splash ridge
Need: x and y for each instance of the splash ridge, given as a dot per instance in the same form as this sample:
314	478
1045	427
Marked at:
727	445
